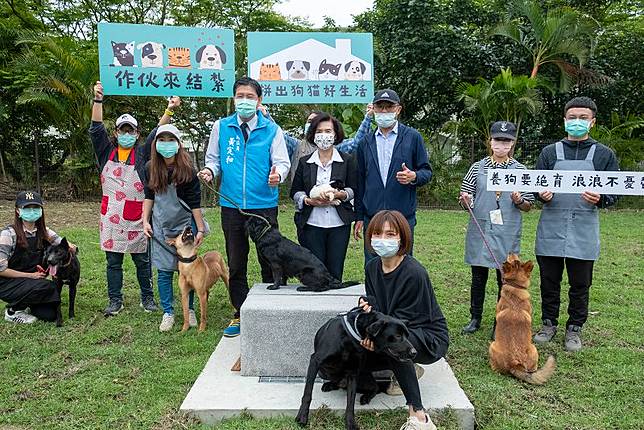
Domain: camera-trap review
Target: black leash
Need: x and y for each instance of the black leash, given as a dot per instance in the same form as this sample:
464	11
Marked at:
241	211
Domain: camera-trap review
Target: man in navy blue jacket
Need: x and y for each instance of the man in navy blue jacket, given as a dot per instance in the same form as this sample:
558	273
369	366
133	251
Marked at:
392	164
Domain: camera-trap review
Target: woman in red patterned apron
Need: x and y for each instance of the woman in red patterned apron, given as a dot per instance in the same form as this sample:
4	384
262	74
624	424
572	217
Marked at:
121	162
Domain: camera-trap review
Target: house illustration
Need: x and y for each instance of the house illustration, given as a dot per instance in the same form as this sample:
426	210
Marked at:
337	62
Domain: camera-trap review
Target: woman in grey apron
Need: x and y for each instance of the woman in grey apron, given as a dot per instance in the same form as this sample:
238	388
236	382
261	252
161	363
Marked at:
172	201
498	213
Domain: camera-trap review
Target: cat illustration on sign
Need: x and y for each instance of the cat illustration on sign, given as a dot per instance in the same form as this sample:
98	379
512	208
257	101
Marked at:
179	58
123	54
328	71
269	72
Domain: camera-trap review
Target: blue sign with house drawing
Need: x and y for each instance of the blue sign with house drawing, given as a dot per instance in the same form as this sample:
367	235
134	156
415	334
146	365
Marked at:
312	67
155	60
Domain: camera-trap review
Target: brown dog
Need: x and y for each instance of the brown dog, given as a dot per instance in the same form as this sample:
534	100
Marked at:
197	273
512	350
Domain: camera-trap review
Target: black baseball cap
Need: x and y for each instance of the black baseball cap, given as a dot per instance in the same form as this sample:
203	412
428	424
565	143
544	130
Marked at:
503	130
386	95
26	198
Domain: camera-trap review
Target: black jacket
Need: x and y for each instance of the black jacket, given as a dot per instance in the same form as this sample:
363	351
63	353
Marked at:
306	178
603	160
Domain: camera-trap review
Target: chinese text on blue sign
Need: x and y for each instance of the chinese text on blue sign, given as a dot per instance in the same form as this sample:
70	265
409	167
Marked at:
154	60
312	67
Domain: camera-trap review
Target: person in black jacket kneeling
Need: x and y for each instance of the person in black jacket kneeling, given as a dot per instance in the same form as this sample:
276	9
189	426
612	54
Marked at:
398	285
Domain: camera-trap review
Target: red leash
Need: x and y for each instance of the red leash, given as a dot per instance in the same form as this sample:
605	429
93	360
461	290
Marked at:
487	245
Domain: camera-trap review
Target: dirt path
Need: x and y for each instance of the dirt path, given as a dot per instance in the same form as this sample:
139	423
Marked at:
59	215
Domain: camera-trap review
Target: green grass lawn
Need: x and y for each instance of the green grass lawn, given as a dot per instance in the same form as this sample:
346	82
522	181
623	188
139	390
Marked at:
121	373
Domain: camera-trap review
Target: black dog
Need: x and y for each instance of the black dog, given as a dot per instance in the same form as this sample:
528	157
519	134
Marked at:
338	356
288	259
63	266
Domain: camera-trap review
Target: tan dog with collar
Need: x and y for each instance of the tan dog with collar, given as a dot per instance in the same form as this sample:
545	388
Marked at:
197	273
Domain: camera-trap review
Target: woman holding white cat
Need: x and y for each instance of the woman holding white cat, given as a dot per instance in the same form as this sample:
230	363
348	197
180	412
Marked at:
322	190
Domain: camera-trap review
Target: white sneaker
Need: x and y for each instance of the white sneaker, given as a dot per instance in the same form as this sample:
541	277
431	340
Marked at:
166	322
413	424
19	317
192	318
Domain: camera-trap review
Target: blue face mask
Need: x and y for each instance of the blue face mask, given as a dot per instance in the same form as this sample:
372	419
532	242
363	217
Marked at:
385	119
167	148
306	127
577	127
245	108
385	247
126	140
30	214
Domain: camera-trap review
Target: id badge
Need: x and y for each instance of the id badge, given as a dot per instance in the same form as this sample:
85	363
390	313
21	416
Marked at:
495	217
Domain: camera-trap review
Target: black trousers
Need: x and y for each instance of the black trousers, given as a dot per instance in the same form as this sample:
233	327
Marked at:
40	295
329	245
404	371
477	292
237	248
580	277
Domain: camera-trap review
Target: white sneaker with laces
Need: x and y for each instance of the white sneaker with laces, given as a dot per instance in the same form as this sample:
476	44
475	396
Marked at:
166	322
414	424
19	317
192	318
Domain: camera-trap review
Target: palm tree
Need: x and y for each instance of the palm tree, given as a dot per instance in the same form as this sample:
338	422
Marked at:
63	89
506	97
552	37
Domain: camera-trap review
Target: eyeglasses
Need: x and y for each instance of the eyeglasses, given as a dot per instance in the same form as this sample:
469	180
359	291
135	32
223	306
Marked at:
385	108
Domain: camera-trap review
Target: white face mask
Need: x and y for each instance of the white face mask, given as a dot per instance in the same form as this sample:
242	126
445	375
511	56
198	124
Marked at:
500	148
324	140
385	247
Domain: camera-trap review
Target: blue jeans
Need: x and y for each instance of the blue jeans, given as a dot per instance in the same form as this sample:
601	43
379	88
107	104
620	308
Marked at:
115	274
166	298
368	256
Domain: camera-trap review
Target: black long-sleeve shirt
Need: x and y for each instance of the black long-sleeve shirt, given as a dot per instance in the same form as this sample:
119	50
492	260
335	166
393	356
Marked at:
603	160
189	192
406	293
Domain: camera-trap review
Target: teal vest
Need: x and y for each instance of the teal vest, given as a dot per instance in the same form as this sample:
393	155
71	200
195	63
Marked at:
245	166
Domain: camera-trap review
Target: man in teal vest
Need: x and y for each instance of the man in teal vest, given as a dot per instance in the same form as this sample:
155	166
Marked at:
249	152
568	230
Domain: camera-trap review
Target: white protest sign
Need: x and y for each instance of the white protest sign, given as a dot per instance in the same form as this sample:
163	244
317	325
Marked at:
566	181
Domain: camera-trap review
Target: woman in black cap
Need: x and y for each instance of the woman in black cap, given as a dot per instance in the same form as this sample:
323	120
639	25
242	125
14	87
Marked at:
23	283
498	213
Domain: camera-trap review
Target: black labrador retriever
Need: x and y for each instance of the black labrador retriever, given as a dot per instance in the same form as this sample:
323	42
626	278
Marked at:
339	357
288	259
63	266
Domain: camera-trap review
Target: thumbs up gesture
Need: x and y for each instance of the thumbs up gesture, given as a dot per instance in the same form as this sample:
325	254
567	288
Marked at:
405	176
273	177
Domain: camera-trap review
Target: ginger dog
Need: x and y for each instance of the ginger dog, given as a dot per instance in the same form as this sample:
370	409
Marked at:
197	273
513	351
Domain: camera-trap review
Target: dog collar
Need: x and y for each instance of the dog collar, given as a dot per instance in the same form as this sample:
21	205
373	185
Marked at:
353	331
513	285
186	259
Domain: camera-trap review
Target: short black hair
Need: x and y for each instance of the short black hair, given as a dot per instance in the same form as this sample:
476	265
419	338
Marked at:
581	102
246	81
321	117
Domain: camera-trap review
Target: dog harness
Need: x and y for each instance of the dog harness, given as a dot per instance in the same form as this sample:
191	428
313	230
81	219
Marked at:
353	331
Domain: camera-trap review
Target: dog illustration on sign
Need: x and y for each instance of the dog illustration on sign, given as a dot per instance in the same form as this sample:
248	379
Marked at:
312	59
211	57
123	54
298	69
354	71
151	54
